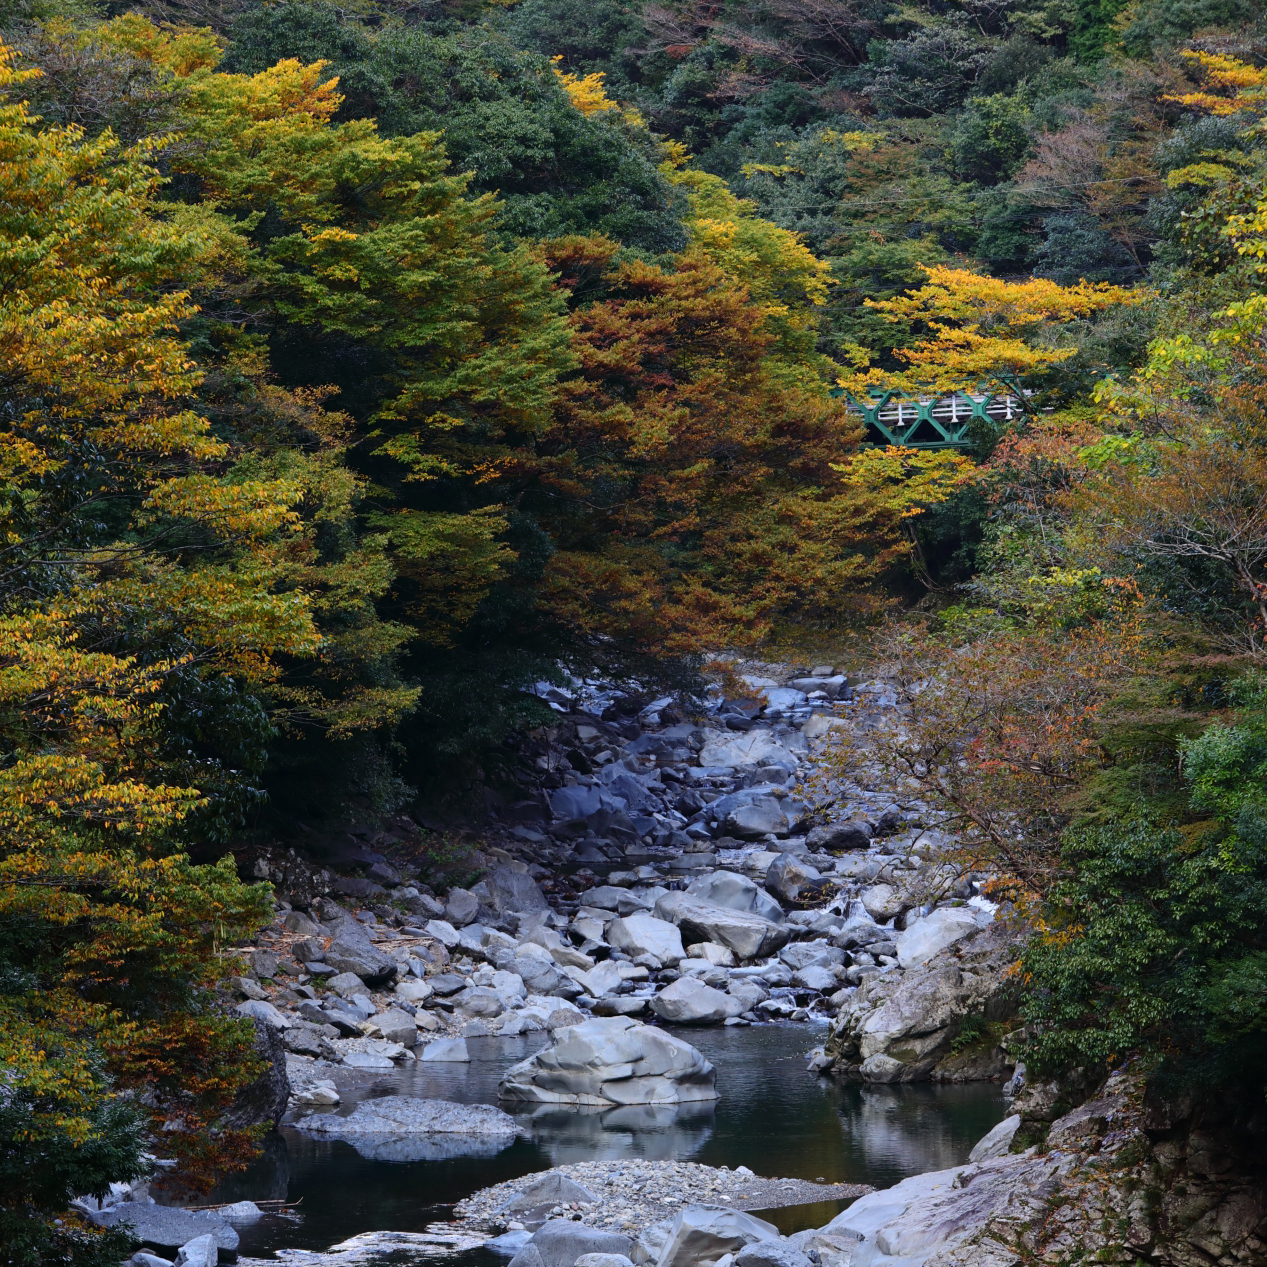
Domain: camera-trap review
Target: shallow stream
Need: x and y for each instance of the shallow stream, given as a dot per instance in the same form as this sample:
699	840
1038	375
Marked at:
772	1117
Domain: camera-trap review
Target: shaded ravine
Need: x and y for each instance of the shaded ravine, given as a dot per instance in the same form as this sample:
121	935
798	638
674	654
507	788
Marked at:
772	1117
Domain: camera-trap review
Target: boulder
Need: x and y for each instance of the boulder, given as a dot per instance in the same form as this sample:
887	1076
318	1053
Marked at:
701	1234
309	1041
643	934
609	897
202	1251
913	1017
478	1000
346	984
752	817
413	991
788	875
263	1012
736	893
746	933
397	1026
840	837
612	1060
561	1242
748	994
547	1190
783	698
443	932
858	932
262	1101
883	902
167	1227
351	950
298	922
691	1002
509	1243
816	977
950	1215
422	906
771	1254
539	975
515	891
756	747
801	954
945	926
996	1142
446	984
604	1260
718	956
461	907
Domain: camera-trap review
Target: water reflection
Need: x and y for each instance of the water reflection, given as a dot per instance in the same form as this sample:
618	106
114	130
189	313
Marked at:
772	1117
660	1133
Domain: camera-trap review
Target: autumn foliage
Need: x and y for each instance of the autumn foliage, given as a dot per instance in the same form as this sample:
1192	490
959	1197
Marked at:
316	456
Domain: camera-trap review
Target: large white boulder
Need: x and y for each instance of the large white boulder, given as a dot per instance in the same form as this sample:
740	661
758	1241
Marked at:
690	1002
947	1215
402	1128
702	1234
745	932
787	875
736	893
755	747
561	1243
996	1142
945	926
612	1060
643	934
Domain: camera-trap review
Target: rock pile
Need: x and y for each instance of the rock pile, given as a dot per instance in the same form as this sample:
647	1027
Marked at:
662	868
631	1195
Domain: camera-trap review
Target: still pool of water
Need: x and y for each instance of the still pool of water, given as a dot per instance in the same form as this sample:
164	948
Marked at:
772	1117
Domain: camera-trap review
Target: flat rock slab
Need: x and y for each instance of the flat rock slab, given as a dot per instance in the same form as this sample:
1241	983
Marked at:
633	1194
168	1227
405	1115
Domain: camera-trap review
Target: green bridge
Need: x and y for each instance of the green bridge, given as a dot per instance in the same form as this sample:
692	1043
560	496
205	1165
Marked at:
936	422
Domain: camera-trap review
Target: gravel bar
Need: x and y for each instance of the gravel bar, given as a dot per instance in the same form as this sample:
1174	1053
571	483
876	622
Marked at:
634	1194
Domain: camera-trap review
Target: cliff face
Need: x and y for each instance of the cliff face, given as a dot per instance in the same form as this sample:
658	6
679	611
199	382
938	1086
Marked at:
1119	1179
940	1021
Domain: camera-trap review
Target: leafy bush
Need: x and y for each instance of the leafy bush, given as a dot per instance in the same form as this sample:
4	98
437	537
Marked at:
1153	944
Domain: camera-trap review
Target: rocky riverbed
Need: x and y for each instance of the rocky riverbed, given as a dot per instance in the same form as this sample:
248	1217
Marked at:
677	871
659	869
662	869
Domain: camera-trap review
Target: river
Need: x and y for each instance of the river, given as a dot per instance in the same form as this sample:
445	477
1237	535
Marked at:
772	1117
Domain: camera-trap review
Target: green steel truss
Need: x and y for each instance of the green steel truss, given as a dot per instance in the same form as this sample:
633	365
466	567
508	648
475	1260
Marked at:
935	422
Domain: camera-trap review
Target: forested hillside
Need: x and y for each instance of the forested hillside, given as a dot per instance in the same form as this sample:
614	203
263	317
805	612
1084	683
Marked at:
366	364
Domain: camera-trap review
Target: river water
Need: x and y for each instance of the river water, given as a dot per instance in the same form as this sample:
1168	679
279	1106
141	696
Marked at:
772	1117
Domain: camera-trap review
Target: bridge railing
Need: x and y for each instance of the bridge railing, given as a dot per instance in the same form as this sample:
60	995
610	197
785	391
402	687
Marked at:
935	422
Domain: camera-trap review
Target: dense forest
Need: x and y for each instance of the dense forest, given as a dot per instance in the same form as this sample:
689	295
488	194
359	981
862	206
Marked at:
366	364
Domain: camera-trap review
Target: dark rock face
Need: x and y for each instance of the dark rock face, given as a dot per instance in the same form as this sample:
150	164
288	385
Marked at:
1118	1182
263	1101
351	950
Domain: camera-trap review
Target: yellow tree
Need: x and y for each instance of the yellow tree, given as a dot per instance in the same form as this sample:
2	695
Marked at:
116	505
981	333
